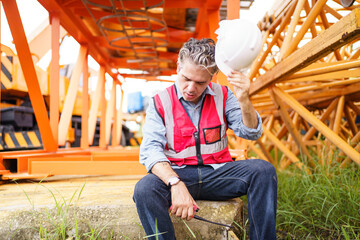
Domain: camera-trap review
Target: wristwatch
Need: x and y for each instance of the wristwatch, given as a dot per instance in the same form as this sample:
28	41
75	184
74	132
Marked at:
173	181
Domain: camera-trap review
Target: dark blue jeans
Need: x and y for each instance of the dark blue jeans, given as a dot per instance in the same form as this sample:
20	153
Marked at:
255	178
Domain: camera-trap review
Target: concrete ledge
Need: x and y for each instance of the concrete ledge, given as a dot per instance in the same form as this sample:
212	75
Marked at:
104	208
226	212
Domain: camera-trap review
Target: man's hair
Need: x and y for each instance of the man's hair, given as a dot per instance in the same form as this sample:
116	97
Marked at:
201	52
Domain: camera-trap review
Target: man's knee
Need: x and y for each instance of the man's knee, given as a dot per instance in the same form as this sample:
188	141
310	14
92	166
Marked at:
264	168
142	188
149	186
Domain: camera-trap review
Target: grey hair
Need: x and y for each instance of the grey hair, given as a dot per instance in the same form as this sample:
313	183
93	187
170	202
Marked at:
201	52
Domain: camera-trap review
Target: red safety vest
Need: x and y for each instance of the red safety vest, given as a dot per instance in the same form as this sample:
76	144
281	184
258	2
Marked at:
187	144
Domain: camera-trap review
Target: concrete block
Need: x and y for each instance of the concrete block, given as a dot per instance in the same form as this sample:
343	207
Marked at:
104	208
226	212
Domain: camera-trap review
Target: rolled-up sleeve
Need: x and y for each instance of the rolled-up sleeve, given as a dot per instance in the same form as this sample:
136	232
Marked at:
234	119
154	139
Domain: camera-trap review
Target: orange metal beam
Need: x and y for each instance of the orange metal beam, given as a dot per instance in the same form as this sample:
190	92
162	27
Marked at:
233	12
350	120
308	22
260	60
214	19
176	35
109	162
27	65
208	19
139	4
40	44
94	109
110	112
102	143
54	74
71	95
233	9
115	125
323	44
320	126
285	150
77	29
311	132
338	115
119	119
291	28
87	167
202	26
84	142
290	126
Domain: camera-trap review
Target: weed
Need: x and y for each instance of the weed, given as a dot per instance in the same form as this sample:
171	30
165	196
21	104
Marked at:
243	228
324	205
192	233
58	224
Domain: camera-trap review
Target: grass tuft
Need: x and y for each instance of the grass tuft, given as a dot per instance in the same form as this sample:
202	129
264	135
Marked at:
324	205
58	224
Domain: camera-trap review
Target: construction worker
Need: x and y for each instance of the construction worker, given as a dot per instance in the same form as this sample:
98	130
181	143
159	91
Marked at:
185	150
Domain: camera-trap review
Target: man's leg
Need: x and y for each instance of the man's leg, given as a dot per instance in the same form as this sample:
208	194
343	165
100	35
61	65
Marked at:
257	179
152	198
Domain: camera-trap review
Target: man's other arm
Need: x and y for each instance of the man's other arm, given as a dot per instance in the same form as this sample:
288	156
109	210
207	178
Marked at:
153	158
240	113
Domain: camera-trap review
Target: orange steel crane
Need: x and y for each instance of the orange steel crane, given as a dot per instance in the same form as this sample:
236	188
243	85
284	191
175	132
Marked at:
305	82
140	35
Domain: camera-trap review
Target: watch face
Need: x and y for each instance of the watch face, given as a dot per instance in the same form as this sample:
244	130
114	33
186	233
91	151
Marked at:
173	181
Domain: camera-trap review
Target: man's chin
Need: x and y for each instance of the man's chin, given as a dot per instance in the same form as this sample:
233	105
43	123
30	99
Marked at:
192	99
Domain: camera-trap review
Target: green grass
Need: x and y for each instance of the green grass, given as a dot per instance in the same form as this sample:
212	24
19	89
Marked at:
57	224
324	205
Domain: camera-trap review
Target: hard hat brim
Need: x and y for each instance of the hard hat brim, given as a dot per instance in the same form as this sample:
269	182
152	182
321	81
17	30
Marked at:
225	69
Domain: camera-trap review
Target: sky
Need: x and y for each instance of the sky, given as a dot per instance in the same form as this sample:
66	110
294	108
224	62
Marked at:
33	14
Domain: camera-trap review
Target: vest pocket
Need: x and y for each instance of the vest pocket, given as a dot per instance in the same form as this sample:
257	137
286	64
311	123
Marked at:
222	156
184	138
186	131
212	135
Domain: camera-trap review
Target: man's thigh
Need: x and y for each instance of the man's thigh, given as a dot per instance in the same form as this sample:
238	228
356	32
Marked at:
229	181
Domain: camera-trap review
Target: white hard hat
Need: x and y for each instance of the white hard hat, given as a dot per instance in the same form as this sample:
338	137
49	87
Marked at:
239	42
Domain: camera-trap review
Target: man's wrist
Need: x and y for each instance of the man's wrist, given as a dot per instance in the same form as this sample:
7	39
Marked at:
243	98
173	181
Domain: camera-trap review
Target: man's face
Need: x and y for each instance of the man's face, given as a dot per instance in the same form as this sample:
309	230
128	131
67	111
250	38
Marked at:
193	80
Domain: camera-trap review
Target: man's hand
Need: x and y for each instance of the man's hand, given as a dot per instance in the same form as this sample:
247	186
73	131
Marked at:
182	202
241	85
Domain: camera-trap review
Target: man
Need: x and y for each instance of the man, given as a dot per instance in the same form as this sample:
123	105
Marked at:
185	150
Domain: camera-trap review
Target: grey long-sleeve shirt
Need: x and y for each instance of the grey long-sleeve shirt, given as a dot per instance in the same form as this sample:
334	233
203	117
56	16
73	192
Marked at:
154	139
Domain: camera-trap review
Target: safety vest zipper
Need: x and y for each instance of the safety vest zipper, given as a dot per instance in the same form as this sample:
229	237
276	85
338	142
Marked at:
197	139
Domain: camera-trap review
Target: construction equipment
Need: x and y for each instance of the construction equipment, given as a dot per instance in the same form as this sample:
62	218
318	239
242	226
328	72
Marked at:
18	125
139	35
304	82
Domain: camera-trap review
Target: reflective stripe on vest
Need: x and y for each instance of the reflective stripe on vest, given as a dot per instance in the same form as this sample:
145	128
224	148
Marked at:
168	118
205	149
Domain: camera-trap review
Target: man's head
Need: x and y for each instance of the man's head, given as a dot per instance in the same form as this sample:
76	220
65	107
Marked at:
196	66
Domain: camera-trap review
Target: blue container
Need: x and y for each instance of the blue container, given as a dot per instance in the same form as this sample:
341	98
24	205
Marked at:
135	102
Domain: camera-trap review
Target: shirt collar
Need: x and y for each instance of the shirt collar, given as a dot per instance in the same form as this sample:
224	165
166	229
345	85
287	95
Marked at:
207	91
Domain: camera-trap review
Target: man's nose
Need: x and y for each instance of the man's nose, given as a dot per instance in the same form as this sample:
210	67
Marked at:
191	86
